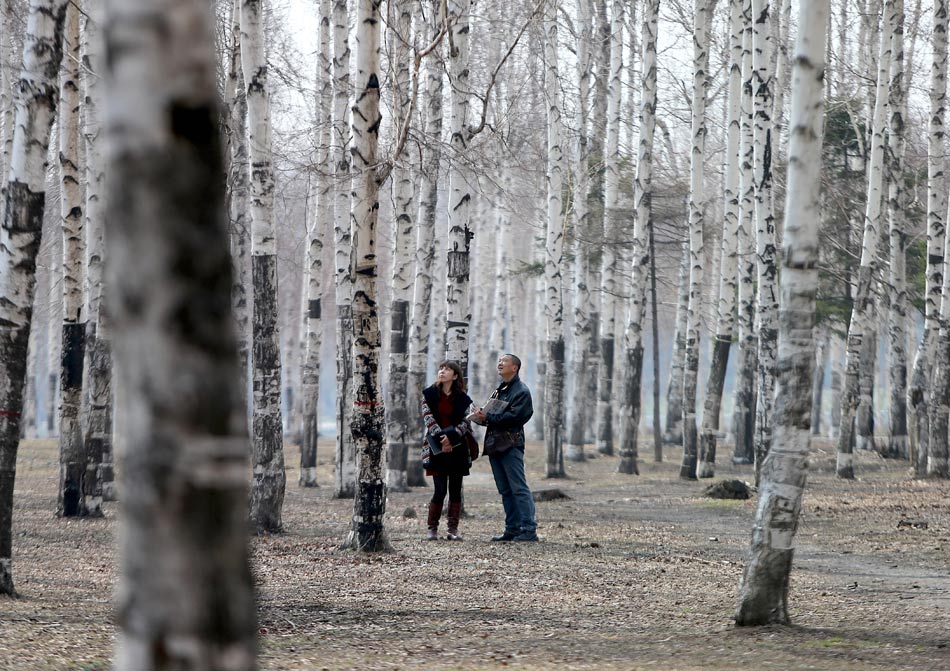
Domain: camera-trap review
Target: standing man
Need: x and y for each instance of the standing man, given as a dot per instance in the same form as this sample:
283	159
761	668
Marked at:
505	415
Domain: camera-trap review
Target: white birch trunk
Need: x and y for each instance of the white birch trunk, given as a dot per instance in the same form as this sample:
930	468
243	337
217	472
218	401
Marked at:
319	231
697	198
859	328
612	232
269	479
936	461
632	369
919	393
421	324
554	257
673	431
744	394
239	176
600	56
837	377
397	409
897	314
6	100
763	596
72	462
345	471
729	261
38	95
96	408
185	439
367	532
580	361
763	82
458	311
818	379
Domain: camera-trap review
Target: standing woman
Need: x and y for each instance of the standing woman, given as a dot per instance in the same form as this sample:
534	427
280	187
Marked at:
446	452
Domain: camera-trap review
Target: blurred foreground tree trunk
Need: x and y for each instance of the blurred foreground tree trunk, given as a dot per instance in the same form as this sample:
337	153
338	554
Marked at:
185	438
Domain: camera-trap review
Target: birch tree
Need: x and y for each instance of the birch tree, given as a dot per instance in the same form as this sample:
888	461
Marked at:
935	461
612	231
859	327
642	253
919	392
897	314
577	402
554	256
345	470
822	346
269	480
424	259
36	102
600	59
367	532
72	462
6	101
457	301
238	178
728	264
763	71
763	595
185	465
319	229
97	365
673	429
697	199
397	408
744	397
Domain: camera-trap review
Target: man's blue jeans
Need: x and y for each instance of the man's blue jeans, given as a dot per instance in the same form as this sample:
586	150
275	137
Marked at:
508	469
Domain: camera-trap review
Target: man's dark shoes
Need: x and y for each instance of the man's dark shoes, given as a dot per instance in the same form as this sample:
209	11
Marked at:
504	538
526	537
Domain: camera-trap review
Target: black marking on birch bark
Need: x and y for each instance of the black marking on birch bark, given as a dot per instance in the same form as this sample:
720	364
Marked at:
313	308
465	198
399	327
24	214
458	265
74	341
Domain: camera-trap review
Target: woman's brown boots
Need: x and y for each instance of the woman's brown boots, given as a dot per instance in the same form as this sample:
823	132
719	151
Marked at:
435	513
455	511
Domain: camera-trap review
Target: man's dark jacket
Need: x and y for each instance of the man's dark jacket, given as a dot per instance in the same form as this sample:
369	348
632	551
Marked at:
506	428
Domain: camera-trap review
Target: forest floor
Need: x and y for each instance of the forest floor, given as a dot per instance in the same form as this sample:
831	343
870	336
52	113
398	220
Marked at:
632	572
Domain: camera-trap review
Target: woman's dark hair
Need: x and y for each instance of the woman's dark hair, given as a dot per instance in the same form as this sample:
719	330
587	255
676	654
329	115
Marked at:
458	384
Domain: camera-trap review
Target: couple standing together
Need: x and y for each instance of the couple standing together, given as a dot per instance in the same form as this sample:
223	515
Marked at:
446	457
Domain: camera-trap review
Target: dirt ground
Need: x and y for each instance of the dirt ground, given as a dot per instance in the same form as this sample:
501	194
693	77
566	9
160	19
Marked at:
632	573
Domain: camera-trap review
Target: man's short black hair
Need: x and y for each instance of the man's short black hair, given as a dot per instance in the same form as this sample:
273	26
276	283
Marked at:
515	360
